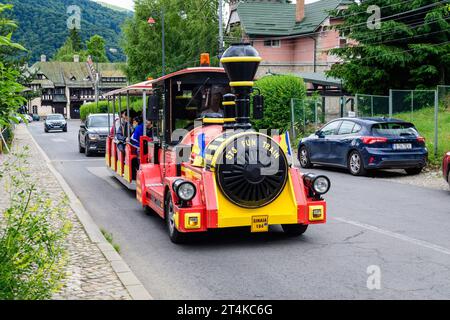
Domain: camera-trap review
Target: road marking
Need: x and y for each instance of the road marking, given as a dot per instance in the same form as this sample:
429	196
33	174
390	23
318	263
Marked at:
421	243
104	174
59	140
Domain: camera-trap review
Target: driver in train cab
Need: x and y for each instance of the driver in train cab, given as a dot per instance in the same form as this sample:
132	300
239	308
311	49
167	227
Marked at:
213	101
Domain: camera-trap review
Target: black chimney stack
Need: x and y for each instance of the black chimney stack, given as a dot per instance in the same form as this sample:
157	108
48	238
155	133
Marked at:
241	62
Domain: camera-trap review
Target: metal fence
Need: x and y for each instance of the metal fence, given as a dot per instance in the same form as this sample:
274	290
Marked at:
421	106
371	105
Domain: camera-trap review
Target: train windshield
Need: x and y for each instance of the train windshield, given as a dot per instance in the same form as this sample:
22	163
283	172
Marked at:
193	101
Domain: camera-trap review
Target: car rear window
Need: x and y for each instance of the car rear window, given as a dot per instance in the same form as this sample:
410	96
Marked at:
99	121
394	129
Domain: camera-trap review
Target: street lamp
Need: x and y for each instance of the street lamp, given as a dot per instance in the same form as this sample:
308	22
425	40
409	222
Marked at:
151	21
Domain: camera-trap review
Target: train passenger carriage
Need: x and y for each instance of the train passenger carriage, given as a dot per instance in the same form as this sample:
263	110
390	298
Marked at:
204	167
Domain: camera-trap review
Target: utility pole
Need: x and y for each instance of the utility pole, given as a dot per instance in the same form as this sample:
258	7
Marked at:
220	28
163	43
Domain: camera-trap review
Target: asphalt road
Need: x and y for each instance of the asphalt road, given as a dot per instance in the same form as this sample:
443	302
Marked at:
374	225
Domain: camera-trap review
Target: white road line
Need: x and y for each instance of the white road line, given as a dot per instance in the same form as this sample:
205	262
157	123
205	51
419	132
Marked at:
421	243
59	140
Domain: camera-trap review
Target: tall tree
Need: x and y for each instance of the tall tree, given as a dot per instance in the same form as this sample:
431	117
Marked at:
10	89
191	27
407	48
96	49
76	41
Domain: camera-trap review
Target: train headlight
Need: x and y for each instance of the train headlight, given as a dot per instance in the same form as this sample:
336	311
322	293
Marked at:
318	185
321	185
185	190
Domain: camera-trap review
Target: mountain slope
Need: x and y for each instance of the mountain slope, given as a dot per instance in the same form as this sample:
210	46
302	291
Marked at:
111	6
43	25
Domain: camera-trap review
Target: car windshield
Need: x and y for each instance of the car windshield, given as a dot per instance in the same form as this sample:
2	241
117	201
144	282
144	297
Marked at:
99	121
394	129
55	117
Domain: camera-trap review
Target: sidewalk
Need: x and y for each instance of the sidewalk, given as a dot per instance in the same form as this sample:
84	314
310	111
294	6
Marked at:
95	271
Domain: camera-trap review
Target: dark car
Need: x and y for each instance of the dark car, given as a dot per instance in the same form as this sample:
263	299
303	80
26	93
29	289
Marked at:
93	134
362	144
446	167
55	122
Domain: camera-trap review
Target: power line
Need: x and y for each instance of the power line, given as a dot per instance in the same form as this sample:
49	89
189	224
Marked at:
354	25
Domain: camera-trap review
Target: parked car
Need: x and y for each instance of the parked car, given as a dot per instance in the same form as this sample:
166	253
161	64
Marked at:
55	122
29	118
36	117
446	167
93	133
362	144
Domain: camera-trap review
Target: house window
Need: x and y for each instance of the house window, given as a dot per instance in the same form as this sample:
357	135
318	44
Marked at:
272	43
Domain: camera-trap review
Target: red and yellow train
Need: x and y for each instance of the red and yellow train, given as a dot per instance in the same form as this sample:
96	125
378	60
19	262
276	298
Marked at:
204	167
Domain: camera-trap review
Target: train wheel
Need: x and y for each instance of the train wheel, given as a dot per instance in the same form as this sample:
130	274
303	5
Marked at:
294	230
175	236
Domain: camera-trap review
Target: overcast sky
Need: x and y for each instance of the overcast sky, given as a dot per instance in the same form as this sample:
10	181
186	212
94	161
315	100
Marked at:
128	4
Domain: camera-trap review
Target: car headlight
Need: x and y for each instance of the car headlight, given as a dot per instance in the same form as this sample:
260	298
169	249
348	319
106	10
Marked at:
94	137
319	185
185	190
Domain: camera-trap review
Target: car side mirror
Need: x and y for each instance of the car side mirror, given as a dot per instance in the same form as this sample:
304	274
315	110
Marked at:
83	126
320	134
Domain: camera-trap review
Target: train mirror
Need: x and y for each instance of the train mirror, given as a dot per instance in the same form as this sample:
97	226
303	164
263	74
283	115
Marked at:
153	108
258	107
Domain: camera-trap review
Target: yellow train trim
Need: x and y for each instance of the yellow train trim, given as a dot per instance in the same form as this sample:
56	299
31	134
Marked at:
242	84
240	59
127	176
228	103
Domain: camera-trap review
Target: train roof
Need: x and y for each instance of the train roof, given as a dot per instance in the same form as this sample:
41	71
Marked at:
135	89
139	88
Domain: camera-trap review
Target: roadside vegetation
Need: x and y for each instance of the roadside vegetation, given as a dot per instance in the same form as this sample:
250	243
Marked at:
33	232
278	91
110	238
423	119
91	108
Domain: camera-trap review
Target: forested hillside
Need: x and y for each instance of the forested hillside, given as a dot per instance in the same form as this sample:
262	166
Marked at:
43	25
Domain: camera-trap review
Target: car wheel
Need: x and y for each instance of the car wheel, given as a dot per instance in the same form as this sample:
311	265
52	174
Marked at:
86	149
46	130
174	235
355	164
294	230
448	179
413	171
303	157
65	129
80	148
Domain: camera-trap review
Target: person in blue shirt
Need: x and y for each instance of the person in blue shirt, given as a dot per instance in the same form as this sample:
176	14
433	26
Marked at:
138	124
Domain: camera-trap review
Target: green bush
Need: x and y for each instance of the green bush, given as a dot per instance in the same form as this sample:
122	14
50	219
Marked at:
91	108
278	91
33	232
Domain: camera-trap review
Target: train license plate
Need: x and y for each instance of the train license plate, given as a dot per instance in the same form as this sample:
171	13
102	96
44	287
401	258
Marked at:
260	224
402	146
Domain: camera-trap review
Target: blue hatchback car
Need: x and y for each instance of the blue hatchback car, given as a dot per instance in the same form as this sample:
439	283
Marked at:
363	144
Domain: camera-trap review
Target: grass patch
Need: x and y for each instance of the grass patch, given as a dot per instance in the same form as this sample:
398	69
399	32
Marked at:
109	237
424	121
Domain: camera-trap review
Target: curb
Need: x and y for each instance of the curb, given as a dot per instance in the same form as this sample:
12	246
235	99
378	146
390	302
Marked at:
134	287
